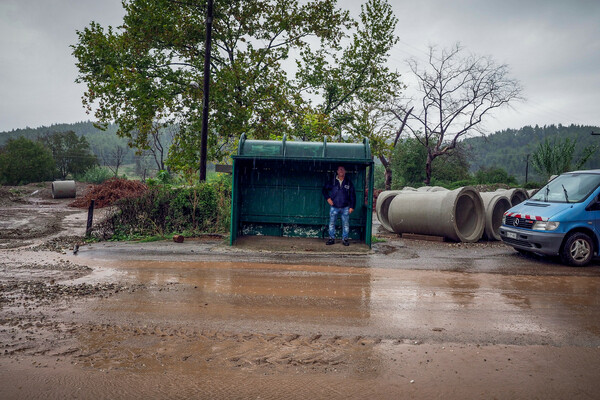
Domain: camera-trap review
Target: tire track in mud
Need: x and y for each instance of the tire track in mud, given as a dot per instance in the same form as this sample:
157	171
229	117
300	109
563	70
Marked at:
159	347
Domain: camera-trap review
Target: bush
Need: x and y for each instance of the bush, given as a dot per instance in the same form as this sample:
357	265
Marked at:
533	185
95	175
165	209
494	175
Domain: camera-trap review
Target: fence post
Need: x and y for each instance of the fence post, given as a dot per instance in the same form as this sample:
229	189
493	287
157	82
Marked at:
90	218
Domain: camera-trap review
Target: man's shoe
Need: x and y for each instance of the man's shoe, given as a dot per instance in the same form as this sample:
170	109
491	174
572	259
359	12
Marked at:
330	242
345	242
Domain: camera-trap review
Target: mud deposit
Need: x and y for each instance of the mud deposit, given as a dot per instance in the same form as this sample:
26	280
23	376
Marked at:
201	320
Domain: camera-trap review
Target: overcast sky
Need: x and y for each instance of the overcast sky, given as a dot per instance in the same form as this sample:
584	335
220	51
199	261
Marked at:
551	46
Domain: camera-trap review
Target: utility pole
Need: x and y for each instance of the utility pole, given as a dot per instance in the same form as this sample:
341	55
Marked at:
207	48
527	168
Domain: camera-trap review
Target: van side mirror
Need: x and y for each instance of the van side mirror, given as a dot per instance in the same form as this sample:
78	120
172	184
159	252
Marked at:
594	204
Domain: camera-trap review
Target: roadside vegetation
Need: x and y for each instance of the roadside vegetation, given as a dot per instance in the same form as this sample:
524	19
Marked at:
162	207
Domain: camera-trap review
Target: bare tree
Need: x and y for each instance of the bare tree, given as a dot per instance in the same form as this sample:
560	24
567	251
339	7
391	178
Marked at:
160	141
456	93
114	158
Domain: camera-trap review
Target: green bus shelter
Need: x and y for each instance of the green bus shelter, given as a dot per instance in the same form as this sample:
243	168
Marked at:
277	188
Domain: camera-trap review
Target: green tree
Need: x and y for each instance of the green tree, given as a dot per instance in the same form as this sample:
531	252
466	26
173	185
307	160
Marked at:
494	175
408	163
70	152
147	71
409	160
352	84
24	161
556	157
451	167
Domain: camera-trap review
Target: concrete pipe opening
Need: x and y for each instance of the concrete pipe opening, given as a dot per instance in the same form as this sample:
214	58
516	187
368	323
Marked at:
468	211
495	205
383	204
457	214
63	189
516	196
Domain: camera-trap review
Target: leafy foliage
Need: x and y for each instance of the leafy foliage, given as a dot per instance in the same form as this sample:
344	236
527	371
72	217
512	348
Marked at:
148	70
96	175
409	160
24	161
554	158
167	209
352	85
71	153
494	175
408	163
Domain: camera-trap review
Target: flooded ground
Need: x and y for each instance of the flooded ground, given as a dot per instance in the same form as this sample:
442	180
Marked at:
289	319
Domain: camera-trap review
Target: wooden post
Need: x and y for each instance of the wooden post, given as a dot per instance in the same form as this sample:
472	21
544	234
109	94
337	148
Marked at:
90	218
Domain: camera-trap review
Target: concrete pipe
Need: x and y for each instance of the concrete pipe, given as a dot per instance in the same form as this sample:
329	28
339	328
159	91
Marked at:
457	214
383	205
531	192
432	189
515	196
495	205
63	189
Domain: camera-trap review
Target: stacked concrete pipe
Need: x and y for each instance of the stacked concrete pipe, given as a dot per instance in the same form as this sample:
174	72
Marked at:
432	189
495	204
516	196
454	214
63	189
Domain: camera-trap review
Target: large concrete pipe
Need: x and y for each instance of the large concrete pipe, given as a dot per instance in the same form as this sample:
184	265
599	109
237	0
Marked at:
495	205
63	189
457	214
383	205
516	196
432	189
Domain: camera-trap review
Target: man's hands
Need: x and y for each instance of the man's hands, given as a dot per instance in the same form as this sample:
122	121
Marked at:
330	202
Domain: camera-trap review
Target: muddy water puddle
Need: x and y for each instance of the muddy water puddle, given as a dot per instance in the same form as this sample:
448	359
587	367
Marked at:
334	300
239	330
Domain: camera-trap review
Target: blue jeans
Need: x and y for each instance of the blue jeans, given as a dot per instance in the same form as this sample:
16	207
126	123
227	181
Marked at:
345	215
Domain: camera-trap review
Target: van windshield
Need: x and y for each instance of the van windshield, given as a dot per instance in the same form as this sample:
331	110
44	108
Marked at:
568	188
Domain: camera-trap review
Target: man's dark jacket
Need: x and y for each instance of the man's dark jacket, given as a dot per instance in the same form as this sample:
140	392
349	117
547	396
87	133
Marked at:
343	194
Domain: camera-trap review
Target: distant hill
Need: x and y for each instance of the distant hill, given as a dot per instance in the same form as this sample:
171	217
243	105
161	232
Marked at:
98	139
508	149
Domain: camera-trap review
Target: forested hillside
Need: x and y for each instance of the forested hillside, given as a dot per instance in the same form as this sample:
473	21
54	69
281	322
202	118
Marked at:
99	140
508	149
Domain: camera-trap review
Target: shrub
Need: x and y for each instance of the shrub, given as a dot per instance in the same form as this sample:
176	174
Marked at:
494	175
167	209
95	175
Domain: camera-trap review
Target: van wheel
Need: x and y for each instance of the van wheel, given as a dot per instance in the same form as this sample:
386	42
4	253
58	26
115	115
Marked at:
578	250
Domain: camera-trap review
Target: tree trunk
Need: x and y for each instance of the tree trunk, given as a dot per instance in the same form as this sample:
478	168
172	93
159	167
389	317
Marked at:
388	172
428	169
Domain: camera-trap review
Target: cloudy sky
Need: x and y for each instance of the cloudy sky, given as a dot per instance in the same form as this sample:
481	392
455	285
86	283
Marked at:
551	46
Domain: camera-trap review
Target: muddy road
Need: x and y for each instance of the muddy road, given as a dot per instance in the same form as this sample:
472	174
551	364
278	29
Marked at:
275	318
